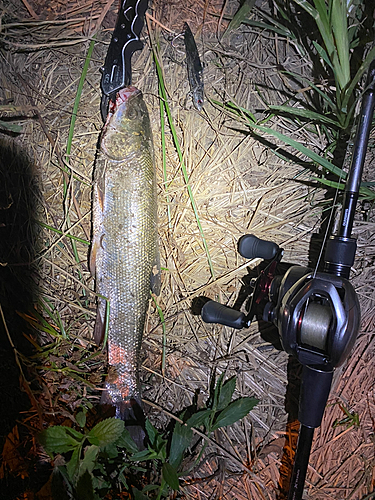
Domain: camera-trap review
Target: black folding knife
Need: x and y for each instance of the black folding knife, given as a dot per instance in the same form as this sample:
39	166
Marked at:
116	72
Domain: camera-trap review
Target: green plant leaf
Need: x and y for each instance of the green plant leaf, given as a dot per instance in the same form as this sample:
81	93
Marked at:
303	149
363	67
12	127
60	439
150	487
152	433
181	439
234	412
215	399
110	450
81	418
157	442
200	418
138	495
126	441
144	455
170	476
88	461
164	99
105	432
72	466
239	16
305	113
323	54
84	488
226	393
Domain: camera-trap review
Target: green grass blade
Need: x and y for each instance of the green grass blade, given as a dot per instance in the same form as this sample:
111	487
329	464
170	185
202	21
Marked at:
12	127
162	320
240	16
71	236
339	22
305	113
319	160
363	67
314	157
305	81
164	99
364	192
302	149
164	159
70	138
323	54
78	97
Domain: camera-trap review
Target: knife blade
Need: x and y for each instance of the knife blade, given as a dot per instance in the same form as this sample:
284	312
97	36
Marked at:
117	71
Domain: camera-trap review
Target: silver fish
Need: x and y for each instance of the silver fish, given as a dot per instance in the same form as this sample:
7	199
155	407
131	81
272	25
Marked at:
124	253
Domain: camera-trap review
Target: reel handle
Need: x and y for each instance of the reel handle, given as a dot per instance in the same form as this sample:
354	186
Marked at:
214	312
251	247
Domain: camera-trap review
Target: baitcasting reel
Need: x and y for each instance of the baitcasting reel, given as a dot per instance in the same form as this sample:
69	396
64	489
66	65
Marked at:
316	314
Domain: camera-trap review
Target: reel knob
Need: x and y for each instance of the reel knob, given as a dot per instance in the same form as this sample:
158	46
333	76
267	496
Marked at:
214	312
251	247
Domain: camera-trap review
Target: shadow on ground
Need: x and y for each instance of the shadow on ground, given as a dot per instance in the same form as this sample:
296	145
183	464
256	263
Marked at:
18	247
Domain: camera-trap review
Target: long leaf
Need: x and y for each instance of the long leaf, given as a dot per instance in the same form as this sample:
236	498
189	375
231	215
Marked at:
239	16
339	21
305	113
323	162
181	439
363	67
170	476
70	138
164	98
234	412
12	127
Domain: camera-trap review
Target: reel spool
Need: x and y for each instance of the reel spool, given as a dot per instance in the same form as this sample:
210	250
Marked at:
315	324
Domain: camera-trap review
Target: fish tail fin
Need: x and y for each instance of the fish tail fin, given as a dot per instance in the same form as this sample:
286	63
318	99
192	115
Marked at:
131	412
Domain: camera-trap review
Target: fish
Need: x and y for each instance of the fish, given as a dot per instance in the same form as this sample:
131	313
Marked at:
124	257
194	68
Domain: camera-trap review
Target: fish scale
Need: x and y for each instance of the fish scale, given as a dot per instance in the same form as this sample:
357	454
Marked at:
124	253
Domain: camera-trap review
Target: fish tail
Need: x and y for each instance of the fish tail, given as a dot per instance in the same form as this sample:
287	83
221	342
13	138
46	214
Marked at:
131	412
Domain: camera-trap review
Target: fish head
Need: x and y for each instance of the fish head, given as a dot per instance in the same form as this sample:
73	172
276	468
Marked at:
127	125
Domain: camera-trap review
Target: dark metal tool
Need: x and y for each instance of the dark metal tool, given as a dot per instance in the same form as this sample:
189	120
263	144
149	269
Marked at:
317	314
117	71
194	68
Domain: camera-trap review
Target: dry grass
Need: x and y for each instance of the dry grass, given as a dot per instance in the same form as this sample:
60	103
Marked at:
239	186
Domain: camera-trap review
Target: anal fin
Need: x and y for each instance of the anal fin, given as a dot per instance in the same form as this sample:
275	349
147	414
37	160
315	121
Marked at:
155	278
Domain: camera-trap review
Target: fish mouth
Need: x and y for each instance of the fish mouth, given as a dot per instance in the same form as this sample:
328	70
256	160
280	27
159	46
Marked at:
122	96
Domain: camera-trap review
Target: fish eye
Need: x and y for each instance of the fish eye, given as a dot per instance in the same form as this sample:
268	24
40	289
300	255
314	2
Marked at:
132	113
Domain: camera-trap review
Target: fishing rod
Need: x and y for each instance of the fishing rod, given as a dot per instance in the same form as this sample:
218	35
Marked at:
317	314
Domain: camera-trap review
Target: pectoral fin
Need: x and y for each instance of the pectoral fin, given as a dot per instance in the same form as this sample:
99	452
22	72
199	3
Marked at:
93	253
99	328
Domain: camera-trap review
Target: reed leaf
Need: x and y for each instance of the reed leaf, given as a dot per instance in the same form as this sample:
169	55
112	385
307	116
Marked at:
305	113
164	100
240	16
317	159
